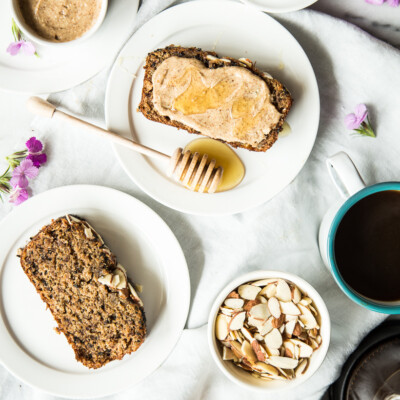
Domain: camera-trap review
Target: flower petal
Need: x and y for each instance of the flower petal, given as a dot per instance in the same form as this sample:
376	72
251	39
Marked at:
37	159
377	2
361	112
351	121
393	3
14	47
28	48
33	145
19	182
23	196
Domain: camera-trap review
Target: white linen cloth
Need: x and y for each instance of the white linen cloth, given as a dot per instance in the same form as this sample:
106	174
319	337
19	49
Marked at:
351	67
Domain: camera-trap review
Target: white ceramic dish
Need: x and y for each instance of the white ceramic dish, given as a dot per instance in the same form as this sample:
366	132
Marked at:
279	6
231	29
143	243
60	68
244	378
32	35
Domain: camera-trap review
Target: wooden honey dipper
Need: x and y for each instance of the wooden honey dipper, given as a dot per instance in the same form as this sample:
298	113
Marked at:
187	168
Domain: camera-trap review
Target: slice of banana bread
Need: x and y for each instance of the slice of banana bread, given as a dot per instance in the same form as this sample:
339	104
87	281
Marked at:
86	290
279	95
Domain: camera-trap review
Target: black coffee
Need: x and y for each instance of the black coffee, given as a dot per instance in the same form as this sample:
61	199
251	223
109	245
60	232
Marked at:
367	246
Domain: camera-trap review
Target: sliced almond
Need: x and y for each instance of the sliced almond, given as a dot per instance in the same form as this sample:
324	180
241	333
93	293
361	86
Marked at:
227	311
248	292
307	317
274	307
305	301
233	295
288	353
272	352
135	295
301	368
221	327
305	350
248	352
266	368
260	312
227	354
258	351
250	303
283	292
288	345
237	349
262	299
264	282
106	280
115	280
88	233
274	339
319	339
313	343
258	337
234	303
296	295
237	321
289	327
247	335
266	327
282	362
289	308
278	322
297	330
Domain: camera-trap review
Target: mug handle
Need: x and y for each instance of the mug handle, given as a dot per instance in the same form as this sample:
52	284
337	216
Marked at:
344	174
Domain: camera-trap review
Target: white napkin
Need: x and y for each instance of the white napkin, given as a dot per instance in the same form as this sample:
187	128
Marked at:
351	67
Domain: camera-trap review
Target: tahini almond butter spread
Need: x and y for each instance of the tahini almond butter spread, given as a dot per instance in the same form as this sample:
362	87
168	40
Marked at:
228	103
60	20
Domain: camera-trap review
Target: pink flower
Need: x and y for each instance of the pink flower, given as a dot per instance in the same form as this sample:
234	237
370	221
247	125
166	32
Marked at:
34	146
27	47
18	196
26	170
354	120
393	3
37	159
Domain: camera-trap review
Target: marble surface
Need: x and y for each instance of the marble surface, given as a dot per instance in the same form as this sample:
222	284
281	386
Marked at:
382	22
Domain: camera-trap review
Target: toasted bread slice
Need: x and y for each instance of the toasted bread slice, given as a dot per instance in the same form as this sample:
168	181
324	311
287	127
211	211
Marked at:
87	292
279	95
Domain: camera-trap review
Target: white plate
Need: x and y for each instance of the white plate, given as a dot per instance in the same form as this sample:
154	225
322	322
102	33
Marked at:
60	69
149	251
279	6
232	29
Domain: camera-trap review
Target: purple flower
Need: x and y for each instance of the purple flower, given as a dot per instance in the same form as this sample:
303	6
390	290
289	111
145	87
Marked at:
20	175
354	120
37	159
34	146
18	196
27	47
393	3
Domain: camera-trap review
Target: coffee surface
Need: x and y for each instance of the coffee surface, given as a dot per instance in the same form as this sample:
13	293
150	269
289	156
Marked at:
367	246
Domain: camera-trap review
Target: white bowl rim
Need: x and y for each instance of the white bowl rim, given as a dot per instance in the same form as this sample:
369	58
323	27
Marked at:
32	35
265	274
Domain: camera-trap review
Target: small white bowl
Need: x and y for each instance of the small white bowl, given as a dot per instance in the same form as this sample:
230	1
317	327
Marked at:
244	378
35	37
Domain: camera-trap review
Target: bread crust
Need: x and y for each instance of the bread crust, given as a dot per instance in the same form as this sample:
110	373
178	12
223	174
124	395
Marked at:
100	323
280	96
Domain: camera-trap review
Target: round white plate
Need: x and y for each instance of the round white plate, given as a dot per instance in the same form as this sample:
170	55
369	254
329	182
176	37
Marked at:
231	29
143	243
60	69
279	6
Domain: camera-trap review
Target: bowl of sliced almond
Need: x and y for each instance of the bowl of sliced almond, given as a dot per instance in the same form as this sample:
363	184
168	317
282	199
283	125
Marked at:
269	330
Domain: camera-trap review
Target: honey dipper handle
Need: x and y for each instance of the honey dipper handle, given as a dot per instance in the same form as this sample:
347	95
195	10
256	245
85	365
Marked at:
43	108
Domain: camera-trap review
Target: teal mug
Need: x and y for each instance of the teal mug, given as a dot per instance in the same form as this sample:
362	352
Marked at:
352	189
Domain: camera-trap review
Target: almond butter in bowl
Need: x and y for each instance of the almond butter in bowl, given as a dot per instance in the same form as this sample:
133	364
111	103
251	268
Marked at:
270	329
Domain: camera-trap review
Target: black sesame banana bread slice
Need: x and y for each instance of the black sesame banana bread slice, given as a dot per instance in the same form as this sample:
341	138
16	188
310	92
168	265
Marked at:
279	95
86	290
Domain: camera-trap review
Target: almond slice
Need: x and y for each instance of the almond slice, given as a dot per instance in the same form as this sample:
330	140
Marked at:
248	352
272	352
266	368
247	335
264	282
258	337
260	312
307	317
237	349
305	301
289	327
221	327
289	308
305	350
227	354
234	303
269	290
266	327
259	351
255	322
248	292
296	295
237	321
274	339
278	323
283	292
282	362
233	295
274	307
106	280
262	299
301	368
227	311
250	303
